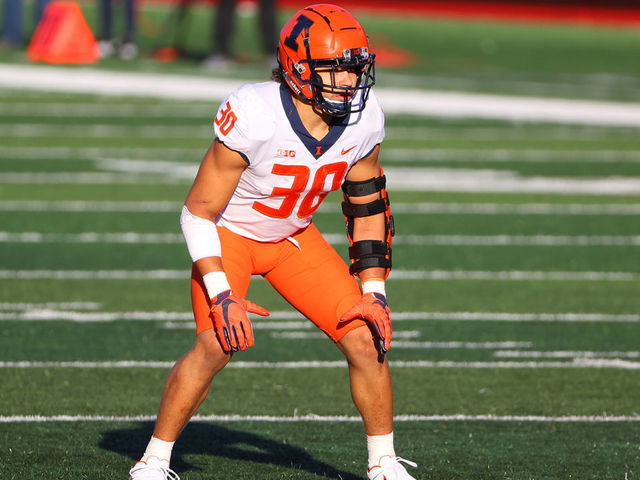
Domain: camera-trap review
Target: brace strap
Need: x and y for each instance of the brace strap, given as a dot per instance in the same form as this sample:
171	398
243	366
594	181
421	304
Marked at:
369	253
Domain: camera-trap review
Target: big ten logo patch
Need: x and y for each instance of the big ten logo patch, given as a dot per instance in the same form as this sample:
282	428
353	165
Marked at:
283	153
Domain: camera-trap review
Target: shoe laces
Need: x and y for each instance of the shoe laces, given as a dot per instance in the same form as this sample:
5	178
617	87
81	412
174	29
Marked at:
171	475
388	459
166	471
408	462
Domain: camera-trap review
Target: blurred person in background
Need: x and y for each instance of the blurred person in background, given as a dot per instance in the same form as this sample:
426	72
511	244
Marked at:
12	21
223	30
126	47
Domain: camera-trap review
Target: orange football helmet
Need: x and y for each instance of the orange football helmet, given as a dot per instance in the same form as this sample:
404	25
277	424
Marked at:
327	37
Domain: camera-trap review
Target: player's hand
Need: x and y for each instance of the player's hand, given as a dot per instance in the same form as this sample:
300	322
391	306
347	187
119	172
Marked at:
230	320
373	309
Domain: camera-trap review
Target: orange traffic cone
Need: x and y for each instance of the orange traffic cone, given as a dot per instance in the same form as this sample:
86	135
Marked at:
63	36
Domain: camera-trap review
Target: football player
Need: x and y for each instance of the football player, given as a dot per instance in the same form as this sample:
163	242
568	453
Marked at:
280	147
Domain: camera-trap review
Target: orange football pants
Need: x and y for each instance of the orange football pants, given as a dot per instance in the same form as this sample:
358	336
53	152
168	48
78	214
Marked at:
313	278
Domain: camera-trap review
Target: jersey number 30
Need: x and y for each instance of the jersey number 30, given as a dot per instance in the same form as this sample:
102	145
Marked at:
300	174
226	119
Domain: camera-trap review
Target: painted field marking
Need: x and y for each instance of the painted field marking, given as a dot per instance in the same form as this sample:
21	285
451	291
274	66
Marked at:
510	275
460	345
546	132
204	131
398	274
89	206
322	336
440	104
96	274
328	418
581	363
504	240
97	109
30	130
338	239
194	154
398	207
508	155
262	325
85	178
399	178
564	354
515	209
81	316
516	317
50	306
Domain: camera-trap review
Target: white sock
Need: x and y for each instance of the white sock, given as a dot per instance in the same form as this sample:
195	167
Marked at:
379	446
158	448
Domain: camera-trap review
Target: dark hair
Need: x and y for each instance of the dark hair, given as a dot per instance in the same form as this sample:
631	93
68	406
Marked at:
276	76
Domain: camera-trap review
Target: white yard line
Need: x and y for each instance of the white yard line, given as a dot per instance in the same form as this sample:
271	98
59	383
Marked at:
194	154
504	240
503	181
510	275
563	354
89	153
581	363
421	179
337	239
204	130
90	206
28	130
512	209
97	109
86	178
322	336
50	305
517	317
460	345
205	88
503	275
96	274
95	316
504	155
399	178
397	207
328	418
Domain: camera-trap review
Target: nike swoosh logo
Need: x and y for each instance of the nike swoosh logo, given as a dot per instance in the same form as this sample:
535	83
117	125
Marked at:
344	152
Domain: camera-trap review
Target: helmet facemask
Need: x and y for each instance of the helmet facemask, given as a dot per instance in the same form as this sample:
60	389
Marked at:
358	61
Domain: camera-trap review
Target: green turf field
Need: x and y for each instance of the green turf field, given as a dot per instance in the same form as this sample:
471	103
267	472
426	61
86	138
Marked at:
516	351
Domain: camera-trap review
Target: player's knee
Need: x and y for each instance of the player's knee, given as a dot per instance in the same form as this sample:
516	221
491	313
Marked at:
358	346
209	352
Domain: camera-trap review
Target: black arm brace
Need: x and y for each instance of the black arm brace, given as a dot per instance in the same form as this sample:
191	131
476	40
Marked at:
368	253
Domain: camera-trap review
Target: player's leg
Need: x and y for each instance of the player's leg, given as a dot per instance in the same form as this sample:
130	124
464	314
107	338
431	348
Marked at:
316	281
370	381
190	379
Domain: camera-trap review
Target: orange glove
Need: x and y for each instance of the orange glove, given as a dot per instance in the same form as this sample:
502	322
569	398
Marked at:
230	320
373	309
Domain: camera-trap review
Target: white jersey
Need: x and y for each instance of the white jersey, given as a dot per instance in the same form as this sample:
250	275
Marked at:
289	172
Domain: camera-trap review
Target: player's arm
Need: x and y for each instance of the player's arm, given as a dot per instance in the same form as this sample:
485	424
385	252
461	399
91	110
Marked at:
369	228
217	178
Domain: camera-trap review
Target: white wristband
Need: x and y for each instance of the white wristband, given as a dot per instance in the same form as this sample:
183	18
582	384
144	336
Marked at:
215	282
373	286
201	236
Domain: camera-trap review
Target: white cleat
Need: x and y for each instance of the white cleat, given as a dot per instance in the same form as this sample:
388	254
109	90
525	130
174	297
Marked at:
152	469
389	468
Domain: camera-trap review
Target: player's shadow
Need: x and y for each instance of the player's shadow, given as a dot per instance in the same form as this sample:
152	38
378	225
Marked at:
214	440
